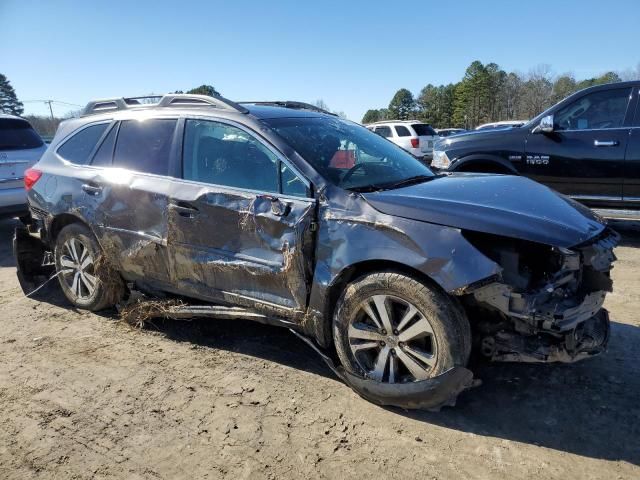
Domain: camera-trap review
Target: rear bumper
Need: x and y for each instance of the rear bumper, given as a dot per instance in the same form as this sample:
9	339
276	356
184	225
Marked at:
13	202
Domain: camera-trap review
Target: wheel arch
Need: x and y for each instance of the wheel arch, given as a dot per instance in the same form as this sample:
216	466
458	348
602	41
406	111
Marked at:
62	220
484	163
357	270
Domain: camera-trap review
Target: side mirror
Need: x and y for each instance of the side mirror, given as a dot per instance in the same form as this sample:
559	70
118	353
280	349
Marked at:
545	125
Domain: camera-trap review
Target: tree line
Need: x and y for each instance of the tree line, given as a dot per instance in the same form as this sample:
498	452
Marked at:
487	93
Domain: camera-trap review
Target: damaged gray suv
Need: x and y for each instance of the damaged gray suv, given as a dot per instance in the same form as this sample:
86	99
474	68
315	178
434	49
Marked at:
288	215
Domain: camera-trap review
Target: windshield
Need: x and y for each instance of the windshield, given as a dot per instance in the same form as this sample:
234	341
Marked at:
347	154
16	134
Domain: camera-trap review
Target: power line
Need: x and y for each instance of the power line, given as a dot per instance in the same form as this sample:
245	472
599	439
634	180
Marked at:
49	102
52	101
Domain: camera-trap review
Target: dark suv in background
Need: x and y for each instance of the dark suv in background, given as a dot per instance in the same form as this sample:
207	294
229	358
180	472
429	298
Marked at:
250	211
587	147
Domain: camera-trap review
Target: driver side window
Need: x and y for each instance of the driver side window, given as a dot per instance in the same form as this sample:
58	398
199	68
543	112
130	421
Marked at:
598	110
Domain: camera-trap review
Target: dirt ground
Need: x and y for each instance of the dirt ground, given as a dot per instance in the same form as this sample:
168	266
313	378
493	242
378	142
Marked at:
83	396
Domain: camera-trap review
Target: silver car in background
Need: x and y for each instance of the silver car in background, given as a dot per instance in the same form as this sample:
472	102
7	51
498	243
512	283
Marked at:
20	148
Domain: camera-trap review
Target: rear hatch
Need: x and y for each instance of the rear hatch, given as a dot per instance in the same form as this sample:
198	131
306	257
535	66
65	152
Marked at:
20	148
427	136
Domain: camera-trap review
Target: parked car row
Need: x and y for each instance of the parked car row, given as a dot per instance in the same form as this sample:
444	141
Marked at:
285	214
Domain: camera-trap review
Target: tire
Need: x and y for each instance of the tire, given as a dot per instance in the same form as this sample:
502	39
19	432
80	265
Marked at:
95	285
436	346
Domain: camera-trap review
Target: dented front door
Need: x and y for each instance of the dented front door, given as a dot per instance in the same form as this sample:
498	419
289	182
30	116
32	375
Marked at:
229	241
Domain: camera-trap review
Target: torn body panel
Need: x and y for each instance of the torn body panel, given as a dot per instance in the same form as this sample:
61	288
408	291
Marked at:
551	308
352	233
241	244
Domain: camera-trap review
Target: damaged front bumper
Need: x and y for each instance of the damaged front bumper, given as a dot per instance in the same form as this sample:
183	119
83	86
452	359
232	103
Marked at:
559	320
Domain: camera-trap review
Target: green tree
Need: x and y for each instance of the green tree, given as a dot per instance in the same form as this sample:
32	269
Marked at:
435	105
9	102
202	90
472	96
563	86
402	105
372	115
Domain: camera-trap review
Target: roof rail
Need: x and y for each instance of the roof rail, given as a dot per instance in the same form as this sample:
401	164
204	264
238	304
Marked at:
398	121
291	104
170	100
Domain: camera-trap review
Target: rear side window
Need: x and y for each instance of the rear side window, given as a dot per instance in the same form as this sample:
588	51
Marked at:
16	134
145	146
403	131
384	132
423	130
78	148
104	155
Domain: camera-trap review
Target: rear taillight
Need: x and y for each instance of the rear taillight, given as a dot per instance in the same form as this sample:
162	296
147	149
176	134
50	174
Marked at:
31	176
415	142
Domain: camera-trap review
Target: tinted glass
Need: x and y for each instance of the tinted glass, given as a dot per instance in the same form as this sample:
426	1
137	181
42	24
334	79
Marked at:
104	155
145	146
225	155
291	183
348	154
17	134
597	110
423	130
384	131
78	148
403	131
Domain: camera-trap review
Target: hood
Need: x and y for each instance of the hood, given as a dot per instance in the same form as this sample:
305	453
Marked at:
476	136
504	205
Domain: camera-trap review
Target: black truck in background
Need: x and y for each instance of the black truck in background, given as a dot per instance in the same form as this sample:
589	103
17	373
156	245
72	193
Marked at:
586	147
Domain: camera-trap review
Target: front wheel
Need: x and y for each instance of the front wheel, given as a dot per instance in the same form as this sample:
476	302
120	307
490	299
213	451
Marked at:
85	277
391	328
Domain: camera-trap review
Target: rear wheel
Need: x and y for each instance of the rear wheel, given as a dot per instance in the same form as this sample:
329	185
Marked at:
393	329
85	277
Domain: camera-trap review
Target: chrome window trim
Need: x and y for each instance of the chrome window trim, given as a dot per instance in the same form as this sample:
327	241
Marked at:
596	197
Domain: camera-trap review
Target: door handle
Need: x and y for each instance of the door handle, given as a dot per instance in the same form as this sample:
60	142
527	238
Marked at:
605	143
92	189
278	207
184	209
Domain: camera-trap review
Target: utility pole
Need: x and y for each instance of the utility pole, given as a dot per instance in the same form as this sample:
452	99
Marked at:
49	102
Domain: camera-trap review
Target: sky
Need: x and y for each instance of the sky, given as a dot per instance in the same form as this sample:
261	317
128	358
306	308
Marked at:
354	55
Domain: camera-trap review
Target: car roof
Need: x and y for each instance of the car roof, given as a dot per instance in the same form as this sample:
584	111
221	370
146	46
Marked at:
13	117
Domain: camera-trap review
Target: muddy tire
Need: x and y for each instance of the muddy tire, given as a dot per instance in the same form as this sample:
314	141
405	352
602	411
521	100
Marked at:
85	277
392	328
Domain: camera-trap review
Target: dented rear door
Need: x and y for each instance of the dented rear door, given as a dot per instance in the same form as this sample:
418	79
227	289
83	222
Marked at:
240	220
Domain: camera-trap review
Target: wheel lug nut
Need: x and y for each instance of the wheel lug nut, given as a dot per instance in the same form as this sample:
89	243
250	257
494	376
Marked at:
393	351
384	332
382	344
395	332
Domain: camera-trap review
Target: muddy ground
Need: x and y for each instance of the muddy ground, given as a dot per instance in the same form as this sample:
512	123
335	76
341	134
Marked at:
83	396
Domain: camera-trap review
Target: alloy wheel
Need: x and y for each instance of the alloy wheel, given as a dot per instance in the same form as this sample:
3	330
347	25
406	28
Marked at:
77	269
392	341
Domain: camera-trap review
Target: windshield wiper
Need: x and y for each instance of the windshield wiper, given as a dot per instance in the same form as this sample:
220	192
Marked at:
408	181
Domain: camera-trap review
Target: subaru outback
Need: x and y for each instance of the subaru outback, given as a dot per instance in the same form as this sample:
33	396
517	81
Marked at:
391	272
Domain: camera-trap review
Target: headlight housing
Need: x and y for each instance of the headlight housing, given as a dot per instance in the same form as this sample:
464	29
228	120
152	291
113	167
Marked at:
440	159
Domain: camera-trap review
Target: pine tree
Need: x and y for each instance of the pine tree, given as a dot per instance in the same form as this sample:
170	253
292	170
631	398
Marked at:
9	102
402	105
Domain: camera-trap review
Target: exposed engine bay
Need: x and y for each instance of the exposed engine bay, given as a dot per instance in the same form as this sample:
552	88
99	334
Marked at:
547	304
